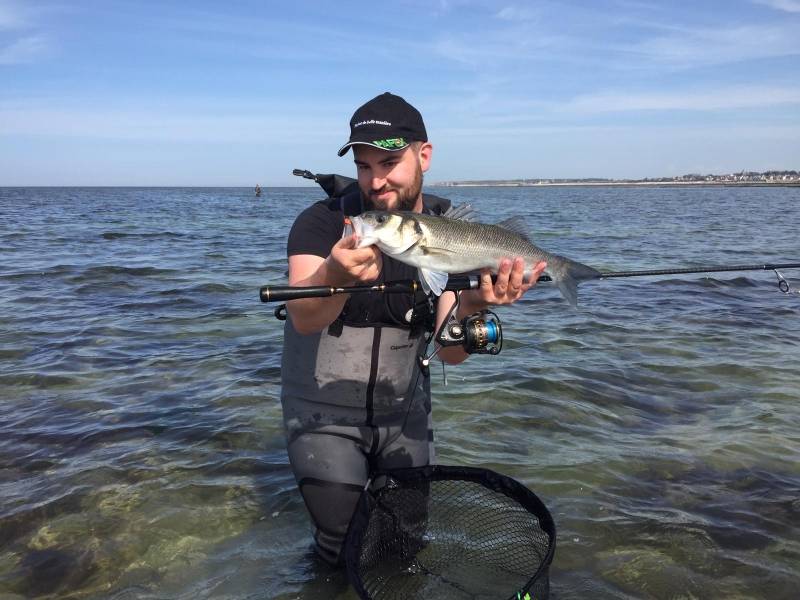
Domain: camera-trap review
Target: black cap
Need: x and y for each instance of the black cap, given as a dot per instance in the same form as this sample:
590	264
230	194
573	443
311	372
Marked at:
387	122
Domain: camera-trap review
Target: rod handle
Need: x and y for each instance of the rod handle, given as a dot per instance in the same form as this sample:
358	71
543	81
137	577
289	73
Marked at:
282	293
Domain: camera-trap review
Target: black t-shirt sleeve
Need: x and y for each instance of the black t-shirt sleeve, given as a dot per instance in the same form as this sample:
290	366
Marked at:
316	230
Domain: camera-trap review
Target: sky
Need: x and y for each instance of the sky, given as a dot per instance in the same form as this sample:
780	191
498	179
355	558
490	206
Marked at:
203	93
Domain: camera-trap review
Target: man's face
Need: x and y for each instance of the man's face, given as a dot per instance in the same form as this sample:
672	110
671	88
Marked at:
391	180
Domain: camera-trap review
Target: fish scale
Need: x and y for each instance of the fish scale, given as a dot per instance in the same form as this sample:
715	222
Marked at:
438	245
478	245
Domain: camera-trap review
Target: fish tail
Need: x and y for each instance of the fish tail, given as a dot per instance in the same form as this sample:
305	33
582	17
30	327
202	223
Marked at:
568	275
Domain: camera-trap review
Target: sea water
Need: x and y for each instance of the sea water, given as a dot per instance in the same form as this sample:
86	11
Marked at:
141	447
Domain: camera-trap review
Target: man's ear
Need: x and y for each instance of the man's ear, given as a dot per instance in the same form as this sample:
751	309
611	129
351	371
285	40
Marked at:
425	153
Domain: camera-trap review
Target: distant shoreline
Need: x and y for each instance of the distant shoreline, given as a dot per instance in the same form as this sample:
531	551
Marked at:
625	183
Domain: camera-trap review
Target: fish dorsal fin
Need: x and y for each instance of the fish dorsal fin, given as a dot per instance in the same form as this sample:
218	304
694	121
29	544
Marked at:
433	281
462	212
516	225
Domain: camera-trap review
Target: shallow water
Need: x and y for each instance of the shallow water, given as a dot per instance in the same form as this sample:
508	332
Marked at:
141	449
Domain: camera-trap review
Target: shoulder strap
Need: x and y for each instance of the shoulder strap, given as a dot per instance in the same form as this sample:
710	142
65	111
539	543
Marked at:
434	204
351	204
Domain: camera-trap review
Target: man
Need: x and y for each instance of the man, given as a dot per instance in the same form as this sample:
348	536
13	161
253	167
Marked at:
354	398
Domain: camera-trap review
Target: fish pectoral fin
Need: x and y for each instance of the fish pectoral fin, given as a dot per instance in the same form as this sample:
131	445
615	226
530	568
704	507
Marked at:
433	251
433	281
462	212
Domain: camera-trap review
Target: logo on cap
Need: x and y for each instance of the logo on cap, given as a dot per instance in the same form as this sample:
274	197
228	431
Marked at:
391	143
371	122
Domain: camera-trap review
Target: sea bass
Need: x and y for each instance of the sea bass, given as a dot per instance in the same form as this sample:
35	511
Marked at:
438	245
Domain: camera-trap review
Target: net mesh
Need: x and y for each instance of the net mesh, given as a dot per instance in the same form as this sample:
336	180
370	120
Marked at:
450	532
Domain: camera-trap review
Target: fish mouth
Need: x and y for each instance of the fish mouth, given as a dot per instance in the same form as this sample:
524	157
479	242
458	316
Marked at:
364	233
357	224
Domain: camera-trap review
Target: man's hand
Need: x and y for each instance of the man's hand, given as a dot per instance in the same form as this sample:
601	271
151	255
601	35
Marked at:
509	287
510	284
348	264
345	265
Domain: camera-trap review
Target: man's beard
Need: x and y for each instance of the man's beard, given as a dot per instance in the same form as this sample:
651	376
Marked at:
406	198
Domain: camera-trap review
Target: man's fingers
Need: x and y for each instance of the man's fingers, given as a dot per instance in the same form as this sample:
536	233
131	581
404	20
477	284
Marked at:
362	264
537	271
486	281
367	262
348	242
362	256
515	278
501	285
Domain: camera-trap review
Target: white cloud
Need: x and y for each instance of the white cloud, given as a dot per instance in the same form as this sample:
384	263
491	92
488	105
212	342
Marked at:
24	50
667	46
719	46
11	15
710	100
23	42
792	6
499	47
170	125
515	13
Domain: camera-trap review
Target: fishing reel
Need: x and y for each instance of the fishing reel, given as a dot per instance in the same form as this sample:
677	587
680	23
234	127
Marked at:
478	333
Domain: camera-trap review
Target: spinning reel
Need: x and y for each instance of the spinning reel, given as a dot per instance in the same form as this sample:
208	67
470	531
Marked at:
478	333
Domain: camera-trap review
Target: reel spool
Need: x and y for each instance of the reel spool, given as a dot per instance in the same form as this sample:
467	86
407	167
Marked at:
479	333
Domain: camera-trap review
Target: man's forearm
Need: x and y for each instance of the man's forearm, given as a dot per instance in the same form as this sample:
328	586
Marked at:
312	315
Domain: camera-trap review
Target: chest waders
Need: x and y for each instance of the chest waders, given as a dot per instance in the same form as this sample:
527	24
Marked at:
352	404
354	401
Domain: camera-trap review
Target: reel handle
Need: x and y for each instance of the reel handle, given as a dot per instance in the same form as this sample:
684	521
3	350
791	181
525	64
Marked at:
282	293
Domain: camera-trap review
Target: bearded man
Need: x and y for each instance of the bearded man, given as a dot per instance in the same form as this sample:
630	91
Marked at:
355	400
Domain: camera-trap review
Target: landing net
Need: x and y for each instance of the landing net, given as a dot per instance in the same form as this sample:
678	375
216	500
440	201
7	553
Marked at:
449	532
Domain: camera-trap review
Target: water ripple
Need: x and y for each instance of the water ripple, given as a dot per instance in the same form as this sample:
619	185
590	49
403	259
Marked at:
142	453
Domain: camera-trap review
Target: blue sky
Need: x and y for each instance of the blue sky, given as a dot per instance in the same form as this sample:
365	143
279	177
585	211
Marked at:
237	93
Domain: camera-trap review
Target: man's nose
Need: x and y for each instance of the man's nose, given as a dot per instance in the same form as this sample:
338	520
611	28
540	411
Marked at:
378	182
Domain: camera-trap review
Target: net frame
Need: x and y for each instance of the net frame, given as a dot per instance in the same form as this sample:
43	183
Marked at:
403	479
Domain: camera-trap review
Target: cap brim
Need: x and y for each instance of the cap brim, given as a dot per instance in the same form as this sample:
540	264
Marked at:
343	150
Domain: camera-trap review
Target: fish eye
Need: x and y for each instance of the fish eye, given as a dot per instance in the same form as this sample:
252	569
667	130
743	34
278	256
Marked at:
381	218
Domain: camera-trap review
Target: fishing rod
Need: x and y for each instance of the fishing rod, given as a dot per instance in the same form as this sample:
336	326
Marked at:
283	293
482	332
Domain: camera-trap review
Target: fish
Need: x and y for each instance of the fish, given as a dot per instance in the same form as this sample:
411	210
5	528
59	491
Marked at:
456	243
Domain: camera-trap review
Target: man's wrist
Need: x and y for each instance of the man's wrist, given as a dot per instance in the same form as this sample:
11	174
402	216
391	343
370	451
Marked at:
471	302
